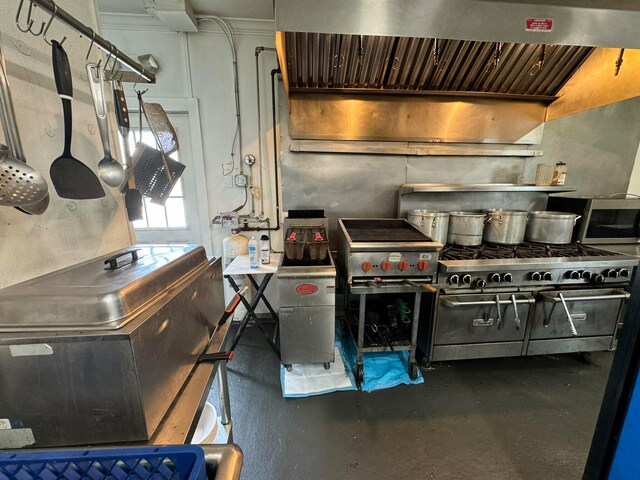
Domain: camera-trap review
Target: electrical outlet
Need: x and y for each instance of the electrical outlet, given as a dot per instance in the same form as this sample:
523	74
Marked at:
241	180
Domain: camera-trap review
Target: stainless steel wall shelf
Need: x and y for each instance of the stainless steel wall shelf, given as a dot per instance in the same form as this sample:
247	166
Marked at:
481	187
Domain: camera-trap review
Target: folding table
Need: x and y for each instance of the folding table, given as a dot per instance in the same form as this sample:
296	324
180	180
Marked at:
240	266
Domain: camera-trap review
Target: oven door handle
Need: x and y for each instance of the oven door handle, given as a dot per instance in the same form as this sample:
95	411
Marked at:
552	297
572	327
455	303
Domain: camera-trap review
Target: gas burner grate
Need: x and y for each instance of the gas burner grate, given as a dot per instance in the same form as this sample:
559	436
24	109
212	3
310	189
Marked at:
383	231
525	250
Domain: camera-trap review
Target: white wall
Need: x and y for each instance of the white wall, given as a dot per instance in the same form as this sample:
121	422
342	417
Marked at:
199	65
69	231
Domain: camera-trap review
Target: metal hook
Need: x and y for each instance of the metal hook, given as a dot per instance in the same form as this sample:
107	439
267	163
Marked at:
46	30
93	40
619	61
29	20
112	72
539	65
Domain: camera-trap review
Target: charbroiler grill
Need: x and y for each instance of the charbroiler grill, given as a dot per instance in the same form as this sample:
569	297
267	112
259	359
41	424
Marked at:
527	299
390	261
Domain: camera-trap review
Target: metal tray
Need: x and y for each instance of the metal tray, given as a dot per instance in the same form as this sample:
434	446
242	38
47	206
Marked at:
93	296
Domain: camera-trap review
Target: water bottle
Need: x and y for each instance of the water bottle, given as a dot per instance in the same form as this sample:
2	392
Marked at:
254	260
265	254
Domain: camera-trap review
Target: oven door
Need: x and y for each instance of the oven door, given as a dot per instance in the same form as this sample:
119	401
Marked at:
576	320
481	325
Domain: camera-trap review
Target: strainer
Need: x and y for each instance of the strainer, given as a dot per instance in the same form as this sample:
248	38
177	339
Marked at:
20	185
161	127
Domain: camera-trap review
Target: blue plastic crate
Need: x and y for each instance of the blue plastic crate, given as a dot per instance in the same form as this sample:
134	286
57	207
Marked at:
140	463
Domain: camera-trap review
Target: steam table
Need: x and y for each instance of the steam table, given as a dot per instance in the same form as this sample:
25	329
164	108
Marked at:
240	266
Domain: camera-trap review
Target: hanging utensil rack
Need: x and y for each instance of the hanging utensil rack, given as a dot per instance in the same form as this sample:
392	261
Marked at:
49	6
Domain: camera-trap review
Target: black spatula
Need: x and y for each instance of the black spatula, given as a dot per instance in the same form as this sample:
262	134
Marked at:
70	177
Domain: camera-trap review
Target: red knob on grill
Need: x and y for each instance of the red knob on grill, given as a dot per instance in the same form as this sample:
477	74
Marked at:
403	265
422	265
385	266
366	267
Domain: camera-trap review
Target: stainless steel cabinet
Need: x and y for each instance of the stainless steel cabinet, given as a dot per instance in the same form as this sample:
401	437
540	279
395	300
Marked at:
308	333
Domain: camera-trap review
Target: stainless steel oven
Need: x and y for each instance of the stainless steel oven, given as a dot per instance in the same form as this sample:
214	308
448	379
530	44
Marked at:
605	220
576	320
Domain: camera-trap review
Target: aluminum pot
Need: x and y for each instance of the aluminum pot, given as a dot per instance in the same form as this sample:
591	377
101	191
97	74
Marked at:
434	225
466	228
507	227
551	227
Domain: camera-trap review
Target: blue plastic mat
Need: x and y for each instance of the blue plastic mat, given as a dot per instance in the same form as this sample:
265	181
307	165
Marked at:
145	463
381	370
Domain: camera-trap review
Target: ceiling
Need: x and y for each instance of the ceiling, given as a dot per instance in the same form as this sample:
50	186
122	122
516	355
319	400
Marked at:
259	9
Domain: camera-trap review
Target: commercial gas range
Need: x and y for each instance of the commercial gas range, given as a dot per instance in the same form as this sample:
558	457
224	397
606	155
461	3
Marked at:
385	264
529	299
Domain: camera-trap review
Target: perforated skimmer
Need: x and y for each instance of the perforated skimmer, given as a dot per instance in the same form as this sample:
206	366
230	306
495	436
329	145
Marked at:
20	185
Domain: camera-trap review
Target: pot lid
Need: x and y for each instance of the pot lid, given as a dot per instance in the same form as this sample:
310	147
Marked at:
552	215
93	295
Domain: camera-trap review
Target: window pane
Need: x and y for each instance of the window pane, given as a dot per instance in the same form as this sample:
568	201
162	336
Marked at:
141	223
177	189
155	214
175	213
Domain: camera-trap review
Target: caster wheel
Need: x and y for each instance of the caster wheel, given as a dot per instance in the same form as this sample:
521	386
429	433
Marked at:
288	367
360	374
327	365
413	371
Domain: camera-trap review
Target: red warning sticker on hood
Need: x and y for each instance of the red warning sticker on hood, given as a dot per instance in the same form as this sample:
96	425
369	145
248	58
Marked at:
538	25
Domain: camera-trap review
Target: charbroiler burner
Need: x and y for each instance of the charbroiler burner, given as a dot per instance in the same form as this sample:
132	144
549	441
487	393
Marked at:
386	230
525	250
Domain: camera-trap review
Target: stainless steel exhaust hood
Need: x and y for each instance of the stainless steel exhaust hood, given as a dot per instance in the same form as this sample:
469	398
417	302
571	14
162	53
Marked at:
335	63
413	70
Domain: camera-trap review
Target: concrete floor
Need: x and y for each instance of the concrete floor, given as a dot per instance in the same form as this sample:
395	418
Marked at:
521	418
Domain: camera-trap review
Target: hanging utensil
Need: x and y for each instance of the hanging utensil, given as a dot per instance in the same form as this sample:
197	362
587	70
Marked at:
109	169
71	178
132	196
161	127
155	173
20	185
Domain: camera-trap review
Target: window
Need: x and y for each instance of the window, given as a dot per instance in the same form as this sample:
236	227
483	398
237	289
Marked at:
173	214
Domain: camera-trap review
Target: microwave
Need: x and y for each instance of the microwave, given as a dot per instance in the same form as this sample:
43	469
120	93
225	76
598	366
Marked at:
603	219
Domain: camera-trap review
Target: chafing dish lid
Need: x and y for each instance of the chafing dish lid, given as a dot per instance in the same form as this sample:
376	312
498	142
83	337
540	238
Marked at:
90	295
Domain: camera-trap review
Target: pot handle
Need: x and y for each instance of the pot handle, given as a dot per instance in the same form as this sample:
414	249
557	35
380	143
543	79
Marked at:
575	220
487	218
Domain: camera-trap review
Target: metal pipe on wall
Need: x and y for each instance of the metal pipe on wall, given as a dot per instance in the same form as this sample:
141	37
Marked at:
258	51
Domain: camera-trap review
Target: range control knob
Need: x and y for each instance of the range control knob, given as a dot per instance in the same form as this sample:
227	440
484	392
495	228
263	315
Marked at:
536	276
403	265
611	273
599	278
480	283
454	279
422	265
586	275
623	272
495	277
574	275
385	266
466	279
366	267
507	277
548	276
